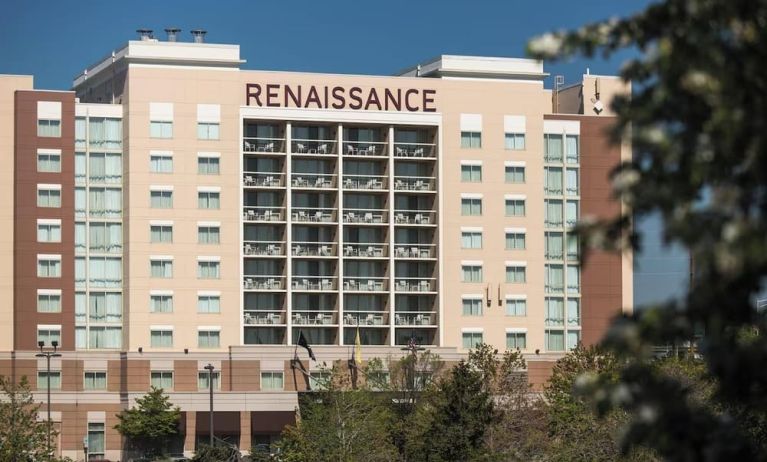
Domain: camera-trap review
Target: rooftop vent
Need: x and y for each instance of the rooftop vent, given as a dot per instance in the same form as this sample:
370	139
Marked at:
172	33
145	34
199	35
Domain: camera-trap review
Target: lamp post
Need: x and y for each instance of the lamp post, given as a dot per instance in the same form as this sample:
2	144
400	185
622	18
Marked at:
48	355
210	368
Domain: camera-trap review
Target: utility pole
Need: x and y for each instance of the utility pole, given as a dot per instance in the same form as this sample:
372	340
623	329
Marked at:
48	355
210	368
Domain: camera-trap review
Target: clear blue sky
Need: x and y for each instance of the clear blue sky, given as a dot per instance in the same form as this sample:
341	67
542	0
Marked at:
56	39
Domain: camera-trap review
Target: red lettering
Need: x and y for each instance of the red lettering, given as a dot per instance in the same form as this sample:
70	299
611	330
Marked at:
373	99
295	97
408	93
396	103
354	94
428	98
338	95
252	90
313	97
272	95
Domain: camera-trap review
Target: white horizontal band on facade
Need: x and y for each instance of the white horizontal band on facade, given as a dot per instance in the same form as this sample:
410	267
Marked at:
49	110
559	127
164	293
208	223
161	112
516	297
514	123
209	154
48	291
97	416
160	327
99	365
209	258
154	152
208	328
49	151
515	196
471	162
472	229
472	330
515	163
210	113
208	293
471	297
49	221
161	187
161	222
161	257
161	364
113	111
515	230
471	122
472	195
49	187
472	262
515	263
49	256
49	327
516	330
209	189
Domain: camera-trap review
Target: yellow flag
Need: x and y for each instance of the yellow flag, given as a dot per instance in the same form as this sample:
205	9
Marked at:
357	348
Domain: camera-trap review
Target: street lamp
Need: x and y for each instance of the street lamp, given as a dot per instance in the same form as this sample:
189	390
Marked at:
210	368
48	355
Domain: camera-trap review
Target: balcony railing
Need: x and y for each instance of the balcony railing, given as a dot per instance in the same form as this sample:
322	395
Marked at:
306	146
312	180
415	284
365	318
311	318
313	215
267	248
552	190
555	321
262	317
254	144
415	217
366	182
262	282
552	223
415	183
427	150
365	148
553	289
415	318
553	158
314	249
365	250
572	190
415	251
550	255
264	213
574	321
365	284
263	179
365	216
322	283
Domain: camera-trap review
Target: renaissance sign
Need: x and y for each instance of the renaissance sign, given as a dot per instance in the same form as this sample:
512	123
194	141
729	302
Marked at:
338	97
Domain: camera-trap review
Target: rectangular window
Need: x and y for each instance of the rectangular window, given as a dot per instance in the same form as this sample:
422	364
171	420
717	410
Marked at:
48	162
552	148
160	129
573	312
96	440
208	304
48	197
161	338
48	302
555	311
271	381
48	231
208	165
571	149
161	233
161	199
516	274
48	128
471	207
208	269
573	338
161	268
471	239
515	174
203	382
161	303
48	335
552	177
104	237
49	267
553	213
516	340
43	378
105	272
208	235
471	139
208	200
554	279
471	273
515	207
471	173
105	133
515	240
472	306
470	340
516	307
105	168
573	279
161	163
162	379
555	340
105	202
553	246
105	337
80	130
208	339
207	131
571	213
514	141
571	180
95	381
105	307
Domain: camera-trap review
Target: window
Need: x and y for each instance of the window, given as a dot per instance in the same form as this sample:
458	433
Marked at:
553	246
471	339
208	200
553	213
161	233
471	239
104	237
320	380
161	303
161	268
161	163
80	199
105	202
515	240
161	338
95	381
161	199
105	337
573	279
571	213
555	340
552	148
516	307
207	131
105	168
573	312
271	381
471	207
208	234
208	339
208	269
471	173
552	181
571	180
208	303
555	311
44	378
49	267
48	231
48	162
573	338
516	340
554	279
48	302
208	165
49	128
160	129
48	335
105	307
514	141
203	382
105	272
471	273
516	274
162	379
515	174
571	149
472	307
48	197
80	128
515	207
105	133
471	139
95	440
80	167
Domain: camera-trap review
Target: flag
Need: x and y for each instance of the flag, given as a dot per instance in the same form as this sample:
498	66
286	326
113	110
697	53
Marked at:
357	348
302	342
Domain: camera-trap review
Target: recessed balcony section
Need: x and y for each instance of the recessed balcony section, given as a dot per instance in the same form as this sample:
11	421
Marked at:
415	143
260	214
319	215
366	182
317	335
421	336
415	284
415	251
366	216
263	180
263	138
365	141
415	184
315	318
366	284
264	335
263	206
264	318
313	140
365	310
366	250
313	180
415	217
314	283
314	249
258	282
416	318
369	335
263	249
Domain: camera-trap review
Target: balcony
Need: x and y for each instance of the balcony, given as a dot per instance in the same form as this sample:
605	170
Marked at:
263	248
366	182
313	147
415	318
415	251
365	318
415	183
366	216
415	284
365	284
263	179
365	250
263	145
262	282
312	180
313	215
263	213
365	148
261	317
415	150
314	318
314	283
415	217
314	249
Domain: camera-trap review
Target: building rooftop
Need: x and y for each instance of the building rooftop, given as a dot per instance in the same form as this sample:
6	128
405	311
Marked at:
454	66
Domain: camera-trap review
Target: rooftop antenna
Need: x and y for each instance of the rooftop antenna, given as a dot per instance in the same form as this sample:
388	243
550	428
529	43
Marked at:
199	35
559	81
418	71
145	34
172	33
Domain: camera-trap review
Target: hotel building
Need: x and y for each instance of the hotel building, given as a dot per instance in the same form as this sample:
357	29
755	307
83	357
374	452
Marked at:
173	210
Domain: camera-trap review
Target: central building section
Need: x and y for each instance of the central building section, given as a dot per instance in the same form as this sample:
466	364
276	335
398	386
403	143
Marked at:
340	227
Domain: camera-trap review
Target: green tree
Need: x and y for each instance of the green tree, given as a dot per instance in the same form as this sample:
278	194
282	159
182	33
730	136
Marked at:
149	425
22	436
697	121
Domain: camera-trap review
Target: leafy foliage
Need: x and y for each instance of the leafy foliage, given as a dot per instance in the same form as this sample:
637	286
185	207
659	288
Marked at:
22	435
149	425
